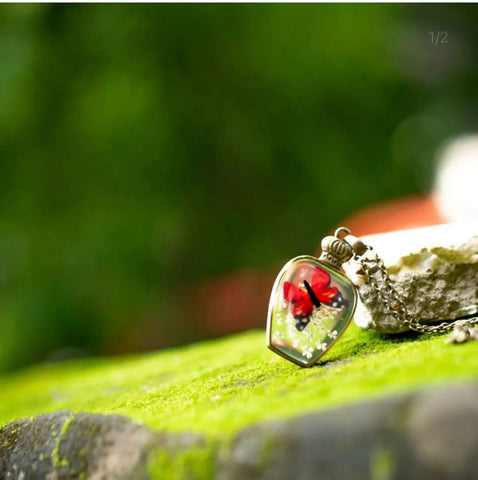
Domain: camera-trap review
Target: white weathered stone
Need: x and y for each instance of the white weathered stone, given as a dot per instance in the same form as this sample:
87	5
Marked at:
434	270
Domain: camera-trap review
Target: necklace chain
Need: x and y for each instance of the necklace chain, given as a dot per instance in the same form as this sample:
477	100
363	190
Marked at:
386	292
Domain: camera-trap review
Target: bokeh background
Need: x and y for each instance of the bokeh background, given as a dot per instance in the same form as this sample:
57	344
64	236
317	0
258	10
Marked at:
159	162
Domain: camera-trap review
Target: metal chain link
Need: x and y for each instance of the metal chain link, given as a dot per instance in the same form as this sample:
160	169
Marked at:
394	304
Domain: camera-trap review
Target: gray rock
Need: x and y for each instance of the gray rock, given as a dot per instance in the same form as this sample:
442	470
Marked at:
429	434
436	284
64	445
442	431
67	446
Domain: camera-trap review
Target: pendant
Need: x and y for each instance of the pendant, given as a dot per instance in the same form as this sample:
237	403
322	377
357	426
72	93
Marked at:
311	304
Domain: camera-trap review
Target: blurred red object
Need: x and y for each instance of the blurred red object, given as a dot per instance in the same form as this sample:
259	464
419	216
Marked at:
235	301
409	212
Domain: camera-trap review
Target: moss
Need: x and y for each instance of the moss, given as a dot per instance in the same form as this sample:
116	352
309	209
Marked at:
434	257
460	255
217	387
55	454
9	439
196	463
382	465
269	446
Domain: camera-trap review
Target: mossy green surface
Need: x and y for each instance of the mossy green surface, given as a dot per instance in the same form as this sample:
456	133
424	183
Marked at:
217	387
195	462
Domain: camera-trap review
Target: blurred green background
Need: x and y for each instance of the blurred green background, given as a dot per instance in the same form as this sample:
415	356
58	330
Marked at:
145	149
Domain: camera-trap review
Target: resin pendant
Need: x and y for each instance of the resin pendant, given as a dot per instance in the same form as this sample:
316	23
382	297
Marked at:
311	305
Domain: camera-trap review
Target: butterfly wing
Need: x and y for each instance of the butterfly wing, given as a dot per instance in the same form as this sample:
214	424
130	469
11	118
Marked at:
320	279
320	285
300	299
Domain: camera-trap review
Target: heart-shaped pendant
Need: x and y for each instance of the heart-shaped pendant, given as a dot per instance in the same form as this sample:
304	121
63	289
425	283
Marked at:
311	305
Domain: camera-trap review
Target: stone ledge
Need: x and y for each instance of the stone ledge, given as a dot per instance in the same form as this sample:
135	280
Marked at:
424	434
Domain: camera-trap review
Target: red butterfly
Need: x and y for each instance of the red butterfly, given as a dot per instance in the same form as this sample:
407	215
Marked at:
315	293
